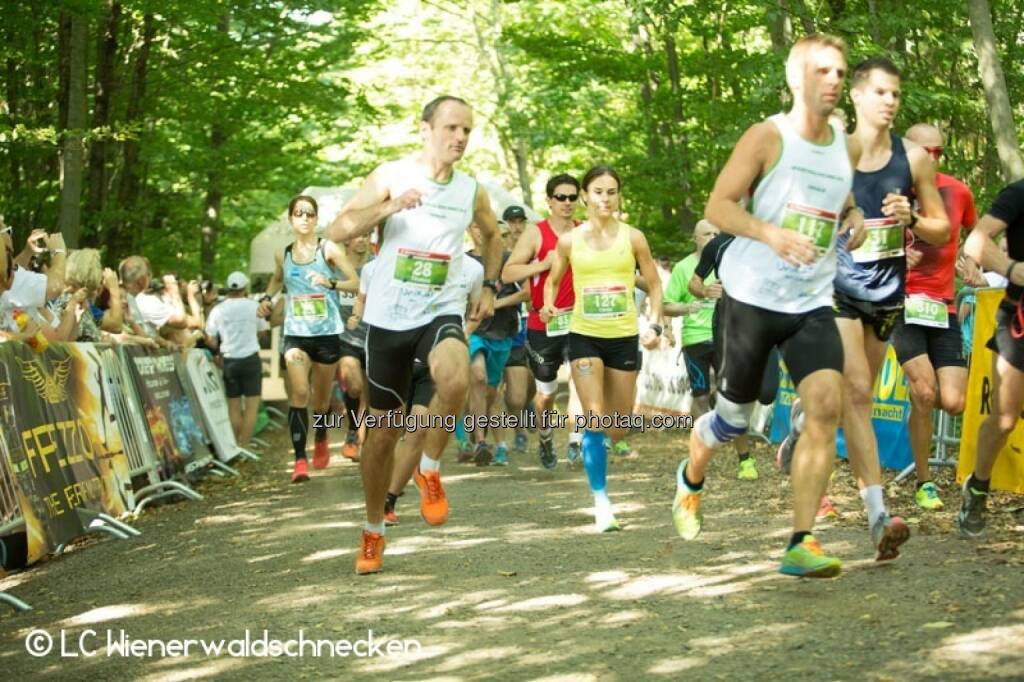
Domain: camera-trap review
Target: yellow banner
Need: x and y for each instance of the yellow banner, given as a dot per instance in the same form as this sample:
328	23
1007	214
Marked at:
1008	473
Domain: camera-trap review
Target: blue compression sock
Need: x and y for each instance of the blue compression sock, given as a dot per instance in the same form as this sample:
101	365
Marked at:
595	460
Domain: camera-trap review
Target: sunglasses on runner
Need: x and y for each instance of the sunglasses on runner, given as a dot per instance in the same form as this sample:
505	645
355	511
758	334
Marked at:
935	152
565	197
300	213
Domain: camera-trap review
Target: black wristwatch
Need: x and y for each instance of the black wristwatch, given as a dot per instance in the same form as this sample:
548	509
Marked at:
333	282
913	220
491	284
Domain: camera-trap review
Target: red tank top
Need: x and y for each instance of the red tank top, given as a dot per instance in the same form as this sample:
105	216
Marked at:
565	298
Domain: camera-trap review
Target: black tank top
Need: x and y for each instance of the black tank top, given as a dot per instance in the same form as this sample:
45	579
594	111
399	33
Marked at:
879	281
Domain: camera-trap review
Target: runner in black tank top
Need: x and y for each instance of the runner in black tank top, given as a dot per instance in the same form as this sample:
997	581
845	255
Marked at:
869	285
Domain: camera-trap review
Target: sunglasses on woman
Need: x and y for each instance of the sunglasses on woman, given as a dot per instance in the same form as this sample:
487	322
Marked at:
301	213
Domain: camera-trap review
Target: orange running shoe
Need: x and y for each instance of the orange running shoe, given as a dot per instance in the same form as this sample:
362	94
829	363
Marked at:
826	510
350	450
321	455
433	502
371	554
300	474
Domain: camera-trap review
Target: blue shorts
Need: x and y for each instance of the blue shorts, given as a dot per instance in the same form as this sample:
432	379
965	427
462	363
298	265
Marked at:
495	356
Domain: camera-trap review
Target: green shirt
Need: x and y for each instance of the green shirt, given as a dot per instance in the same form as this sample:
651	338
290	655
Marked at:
696	327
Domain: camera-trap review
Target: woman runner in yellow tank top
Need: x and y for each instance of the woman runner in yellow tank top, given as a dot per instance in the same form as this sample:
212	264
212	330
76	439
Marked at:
603	350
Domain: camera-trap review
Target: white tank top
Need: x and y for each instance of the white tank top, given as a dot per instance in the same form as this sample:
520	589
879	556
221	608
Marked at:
421	250
804	191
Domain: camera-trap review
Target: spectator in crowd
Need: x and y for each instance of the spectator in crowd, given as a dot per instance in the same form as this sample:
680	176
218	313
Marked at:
87	281
156	318
29	280
232	330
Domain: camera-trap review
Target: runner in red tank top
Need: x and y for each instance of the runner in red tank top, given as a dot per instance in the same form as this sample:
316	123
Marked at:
547	345
927	339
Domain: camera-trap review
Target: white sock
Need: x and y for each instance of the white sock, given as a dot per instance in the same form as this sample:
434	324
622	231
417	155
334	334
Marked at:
502	444
377	528
799	426
873	502
575	437
601	500
428	464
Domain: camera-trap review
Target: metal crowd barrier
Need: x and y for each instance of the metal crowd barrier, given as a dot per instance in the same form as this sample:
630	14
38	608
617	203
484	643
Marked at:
138	446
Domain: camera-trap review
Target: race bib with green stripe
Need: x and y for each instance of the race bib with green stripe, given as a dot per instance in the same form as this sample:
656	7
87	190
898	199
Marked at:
558	325
309	307
883	239
604	303
926	312
817	224
421	269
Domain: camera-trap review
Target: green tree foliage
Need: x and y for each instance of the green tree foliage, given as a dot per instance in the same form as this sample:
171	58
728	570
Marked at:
204	116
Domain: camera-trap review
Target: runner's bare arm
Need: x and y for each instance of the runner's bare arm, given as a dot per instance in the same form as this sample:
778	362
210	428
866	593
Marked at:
490	249
518	266
649	271
337	257
275	284
558	269
371	205
758	149
696	286
932	222
749	161
982	248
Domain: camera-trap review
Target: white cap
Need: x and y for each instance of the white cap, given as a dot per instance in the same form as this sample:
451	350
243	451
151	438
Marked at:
237	281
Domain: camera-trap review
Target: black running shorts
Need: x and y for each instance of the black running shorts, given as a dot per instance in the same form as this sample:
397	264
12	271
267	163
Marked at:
546	354
700	359
323	350
517	358
243	376
621	353
1002	342
882	318
944	347
809	342
391	357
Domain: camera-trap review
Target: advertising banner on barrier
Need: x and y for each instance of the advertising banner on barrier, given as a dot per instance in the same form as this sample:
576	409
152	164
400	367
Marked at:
63	444
1008	473
889	418
212	403
180	442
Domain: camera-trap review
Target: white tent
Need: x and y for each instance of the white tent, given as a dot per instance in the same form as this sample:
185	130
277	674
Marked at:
278	234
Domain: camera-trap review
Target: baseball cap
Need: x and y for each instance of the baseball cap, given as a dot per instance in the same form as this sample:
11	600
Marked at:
237	281
514	213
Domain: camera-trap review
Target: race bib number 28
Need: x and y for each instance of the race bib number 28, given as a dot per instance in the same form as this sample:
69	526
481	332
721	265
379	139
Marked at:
421	269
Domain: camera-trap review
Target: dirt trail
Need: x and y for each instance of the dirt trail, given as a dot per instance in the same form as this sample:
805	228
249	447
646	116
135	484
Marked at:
518	586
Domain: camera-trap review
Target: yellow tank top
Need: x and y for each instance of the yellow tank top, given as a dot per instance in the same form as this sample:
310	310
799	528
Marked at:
603	282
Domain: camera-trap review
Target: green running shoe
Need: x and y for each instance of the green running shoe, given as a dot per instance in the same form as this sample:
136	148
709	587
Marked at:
806	560
622	449
927	497
686	508
748	470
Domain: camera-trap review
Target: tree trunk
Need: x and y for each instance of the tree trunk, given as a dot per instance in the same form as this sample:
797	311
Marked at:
687	219
780	29
70	218
799	8
999	111
106	54
212	204
13	217
119	242
214	188
523	169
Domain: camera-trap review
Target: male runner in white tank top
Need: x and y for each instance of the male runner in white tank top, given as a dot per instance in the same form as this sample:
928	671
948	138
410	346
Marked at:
425	206
777	276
